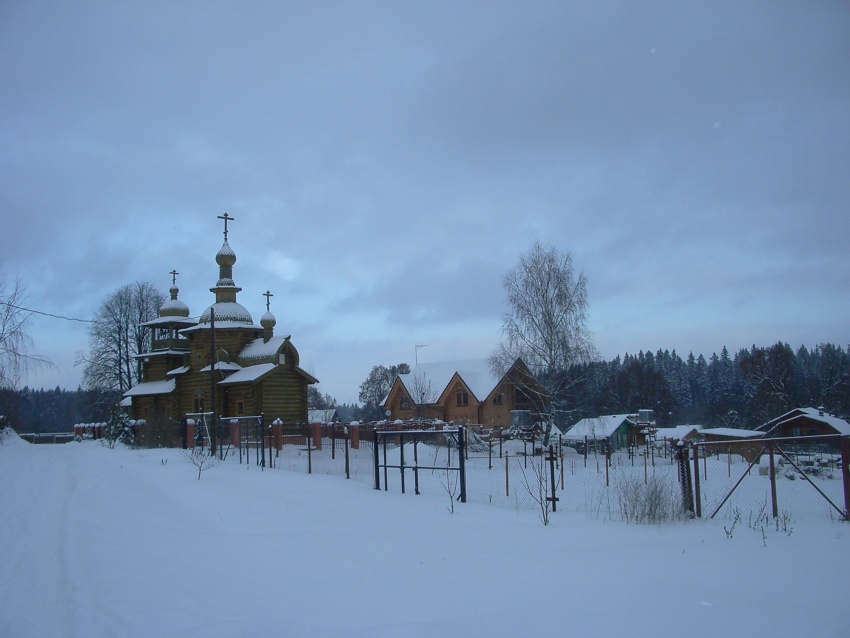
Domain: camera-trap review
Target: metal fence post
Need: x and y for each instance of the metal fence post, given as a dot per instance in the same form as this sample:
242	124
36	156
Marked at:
551	459
697	499
845	473
377	460
773	502
263	439
347	466
685	474
462	464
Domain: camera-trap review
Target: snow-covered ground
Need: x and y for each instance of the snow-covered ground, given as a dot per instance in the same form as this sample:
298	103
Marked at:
119	542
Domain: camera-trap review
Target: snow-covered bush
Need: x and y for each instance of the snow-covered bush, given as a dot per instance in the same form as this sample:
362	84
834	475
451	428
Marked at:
657	501
119	429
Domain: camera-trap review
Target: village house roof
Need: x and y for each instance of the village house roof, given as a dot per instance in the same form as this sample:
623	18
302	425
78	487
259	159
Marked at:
322	416
839	425
476	374
677	432
732	433
600	427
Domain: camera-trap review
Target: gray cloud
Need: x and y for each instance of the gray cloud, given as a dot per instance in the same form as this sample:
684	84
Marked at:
387	164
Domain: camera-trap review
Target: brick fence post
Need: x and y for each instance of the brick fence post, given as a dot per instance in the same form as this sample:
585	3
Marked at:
190	433
277	429
317	436
354	434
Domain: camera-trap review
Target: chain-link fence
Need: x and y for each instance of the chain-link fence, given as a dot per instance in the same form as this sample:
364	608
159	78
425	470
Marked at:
790	479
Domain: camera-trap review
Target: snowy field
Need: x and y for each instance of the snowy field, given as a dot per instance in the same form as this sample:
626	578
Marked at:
119	542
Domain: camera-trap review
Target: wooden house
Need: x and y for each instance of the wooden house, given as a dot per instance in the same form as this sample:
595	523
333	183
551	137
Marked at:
804	422
461	392
223	362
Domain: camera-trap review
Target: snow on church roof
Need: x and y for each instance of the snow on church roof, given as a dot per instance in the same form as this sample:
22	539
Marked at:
148	388
222	365
162	321
249	374
259	348
222	325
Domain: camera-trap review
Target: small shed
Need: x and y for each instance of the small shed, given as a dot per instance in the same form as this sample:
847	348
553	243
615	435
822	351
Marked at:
747	443
613	429
665	436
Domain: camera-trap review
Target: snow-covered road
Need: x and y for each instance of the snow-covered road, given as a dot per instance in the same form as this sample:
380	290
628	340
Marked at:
100	542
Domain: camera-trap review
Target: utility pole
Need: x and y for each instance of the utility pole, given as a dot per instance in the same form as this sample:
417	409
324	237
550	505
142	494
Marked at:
212	382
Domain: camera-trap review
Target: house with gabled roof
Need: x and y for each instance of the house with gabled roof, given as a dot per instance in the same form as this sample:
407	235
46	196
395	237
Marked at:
804	422
460	391
323	416
613	430
222	362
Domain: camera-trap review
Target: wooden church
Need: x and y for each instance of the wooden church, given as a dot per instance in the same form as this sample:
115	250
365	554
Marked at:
222	362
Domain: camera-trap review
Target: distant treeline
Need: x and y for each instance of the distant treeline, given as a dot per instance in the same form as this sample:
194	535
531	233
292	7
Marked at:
57	410
742	391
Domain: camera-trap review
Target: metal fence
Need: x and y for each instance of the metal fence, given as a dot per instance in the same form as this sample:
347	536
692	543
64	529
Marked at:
789	478
805	478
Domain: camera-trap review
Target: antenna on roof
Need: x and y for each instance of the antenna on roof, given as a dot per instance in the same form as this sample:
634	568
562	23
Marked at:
417	346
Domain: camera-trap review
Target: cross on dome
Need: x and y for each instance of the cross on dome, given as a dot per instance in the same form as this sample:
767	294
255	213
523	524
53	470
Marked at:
226	218
174	274
267	295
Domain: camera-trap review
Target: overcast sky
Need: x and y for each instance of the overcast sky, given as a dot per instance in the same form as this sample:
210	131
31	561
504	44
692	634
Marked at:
388	162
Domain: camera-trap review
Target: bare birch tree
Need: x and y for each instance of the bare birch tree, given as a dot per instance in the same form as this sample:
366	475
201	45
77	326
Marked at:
546	325
15	340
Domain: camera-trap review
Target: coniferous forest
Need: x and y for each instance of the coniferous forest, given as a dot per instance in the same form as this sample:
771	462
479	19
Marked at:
57	410
740	390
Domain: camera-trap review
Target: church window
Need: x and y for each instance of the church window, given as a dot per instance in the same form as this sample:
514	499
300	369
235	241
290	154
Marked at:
240	408
199	402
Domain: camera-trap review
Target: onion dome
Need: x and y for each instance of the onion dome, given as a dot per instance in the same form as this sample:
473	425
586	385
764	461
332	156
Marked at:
225	256
268	321
173	307
228	311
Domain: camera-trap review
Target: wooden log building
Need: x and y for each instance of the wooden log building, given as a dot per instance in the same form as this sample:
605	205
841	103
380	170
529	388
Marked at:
249	370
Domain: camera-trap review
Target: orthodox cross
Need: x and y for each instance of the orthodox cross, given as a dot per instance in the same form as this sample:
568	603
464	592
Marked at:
226	218
174	274
267	294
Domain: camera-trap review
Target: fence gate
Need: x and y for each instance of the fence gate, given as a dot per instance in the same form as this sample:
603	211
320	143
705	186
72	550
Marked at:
388	442
805	455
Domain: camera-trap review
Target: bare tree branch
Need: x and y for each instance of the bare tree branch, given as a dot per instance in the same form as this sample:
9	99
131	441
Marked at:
15	340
